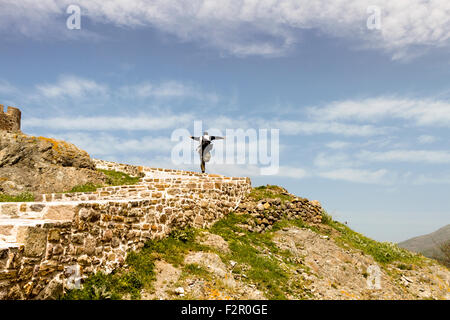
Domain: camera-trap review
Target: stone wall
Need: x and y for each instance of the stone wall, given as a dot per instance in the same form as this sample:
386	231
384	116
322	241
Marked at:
45	244
10	121
266	212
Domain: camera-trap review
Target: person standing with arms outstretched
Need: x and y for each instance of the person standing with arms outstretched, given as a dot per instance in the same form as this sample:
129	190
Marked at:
204	148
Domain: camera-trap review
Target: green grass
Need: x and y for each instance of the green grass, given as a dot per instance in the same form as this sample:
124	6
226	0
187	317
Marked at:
100	286
174	248
265	271
88	187
140	271
382	252
269	191
23	197
116	178
197	270
113	178
250	250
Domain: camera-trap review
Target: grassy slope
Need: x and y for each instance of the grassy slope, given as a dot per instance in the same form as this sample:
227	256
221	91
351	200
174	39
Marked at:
259	261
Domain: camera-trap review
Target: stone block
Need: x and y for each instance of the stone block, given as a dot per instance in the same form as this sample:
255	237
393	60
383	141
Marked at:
34	240
60	212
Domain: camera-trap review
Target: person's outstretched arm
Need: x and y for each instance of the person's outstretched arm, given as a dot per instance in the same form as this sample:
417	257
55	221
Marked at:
195	138
216	138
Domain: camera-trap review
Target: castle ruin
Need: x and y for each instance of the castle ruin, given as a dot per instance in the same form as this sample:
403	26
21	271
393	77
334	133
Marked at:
10	121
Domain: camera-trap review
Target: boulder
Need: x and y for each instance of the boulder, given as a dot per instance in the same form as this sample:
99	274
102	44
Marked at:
43	165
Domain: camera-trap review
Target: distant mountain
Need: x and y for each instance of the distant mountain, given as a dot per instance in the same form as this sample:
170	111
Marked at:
428	244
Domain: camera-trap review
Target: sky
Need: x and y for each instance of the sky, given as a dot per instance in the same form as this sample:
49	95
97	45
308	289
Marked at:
363	112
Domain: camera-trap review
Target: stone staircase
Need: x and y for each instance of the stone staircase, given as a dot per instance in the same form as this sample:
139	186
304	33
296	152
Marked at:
40	240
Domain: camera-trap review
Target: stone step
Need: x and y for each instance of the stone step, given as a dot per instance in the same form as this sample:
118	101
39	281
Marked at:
38	210
22	210
14	230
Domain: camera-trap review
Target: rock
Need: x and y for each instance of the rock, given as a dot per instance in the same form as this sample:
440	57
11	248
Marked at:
215	241
15	293
43	165
34	240
90	245
208	260
54	235
107	236
53	291
315	203
166	276
179	291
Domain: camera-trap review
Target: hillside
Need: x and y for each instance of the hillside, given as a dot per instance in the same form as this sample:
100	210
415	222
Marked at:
430	245
134	232
43	165
246	256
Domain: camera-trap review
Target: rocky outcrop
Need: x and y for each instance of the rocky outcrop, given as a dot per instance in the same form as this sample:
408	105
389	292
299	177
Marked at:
43	165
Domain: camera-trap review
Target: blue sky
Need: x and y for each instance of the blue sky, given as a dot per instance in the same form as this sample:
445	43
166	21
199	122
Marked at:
364	115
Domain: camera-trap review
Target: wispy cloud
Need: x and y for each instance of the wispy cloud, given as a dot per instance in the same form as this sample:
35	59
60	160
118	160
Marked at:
417	156
110	145
126	123
326	127
168	89
247	27
426	139
338	144
358	175
338	160
422	112
71	87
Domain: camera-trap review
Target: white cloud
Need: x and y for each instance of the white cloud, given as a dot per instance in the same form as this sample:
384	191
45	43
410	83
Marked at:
339	160
380	176
303	127
168	89
71	87
106	144
426	139
424	179
249	27
292	172
422	112
338	144
248	170
425	156
113	123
